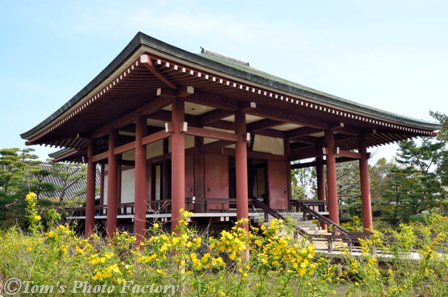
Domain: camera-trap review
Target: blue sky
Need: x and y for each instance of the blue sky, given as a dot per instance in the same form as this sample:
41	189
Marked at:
390	55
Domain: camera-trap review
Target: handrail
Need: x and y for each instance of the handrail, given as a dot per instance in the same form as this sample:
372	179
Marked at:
267	210
322	219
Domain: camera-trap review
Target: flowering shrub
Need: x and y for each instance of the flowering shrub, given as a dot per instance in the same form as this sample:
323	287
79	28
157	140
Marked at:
267	261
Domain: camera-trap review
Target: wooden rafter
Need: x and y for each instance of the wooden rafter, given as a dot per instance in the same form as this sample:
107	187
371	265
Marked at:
148	108
201	132
215	145
146	61
315	154
288	117
262	125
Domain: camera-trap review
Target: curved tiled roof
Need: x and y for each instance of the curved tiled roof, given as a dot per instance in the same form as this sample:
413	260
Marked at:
236	70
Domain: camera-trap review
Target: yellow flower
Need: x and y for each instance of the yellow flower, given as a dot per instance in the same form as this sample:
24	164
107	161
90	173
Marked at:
79	250
37	218
30	196
50	234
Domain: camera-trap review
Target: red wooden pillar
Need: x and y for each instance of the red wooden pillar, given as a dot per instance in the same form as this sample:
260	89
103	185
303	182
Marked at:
287	152
90	194
112	173
140	180
365	184
165	170
177	162
333	207
199	172
242	200
102	169
320	175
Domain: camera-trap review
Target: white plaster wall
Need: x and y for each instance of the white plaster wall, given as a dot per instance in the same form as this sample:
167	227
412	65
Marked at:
154	149
127	186
105	189
265	144
128	155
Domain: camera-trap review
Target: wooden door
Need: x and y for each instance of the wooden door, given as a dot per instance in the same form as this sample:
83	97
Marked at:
216	178
278	185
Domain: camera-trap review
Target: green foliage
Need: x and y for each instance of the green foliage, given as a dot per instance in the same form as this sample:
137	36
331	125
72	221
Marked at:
15	169
303	183
264	262
20	173
414	185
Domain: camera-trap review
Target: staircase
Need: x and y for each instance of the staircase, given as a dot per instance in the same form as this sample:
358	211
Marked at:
307	225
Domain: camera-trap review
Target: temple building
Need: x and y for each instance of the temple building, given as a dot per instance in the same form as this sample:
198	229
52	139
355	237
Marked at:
176	130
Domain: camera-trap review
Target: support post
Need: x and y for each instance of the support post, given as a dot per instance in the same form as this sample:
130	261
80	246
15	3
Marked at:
365	184
242	200
199	172
320	175
165	170
177	162
287	151
333	207
90	193
112	173
140	180
102	169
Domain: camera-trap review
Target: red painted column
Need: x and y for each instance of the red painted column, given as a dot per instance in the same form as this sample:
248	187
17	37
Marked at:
287	152
112	173
365	184
102	169
242	200
177	162
140	180
320	176
90	193
199	173
333	207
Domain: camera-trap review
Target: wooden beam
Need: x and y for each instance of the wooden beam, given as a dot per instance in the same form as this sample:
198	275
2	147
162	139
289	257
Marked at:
155	137
299	132
226	125
185	91
308	139
317	153
146	61
215	145
271	133
298	145
166	93
254	155
99	157
262	125
148	108
218	114
348	154
165	116
213	116
245	106
201	132
124	148
336	126
213	100
279	115
340	137
350	131
313	163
